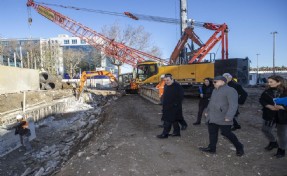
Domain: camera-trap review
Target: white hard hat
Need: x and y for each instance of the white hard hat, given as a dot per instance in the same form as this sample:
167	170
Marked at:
161	76
18	117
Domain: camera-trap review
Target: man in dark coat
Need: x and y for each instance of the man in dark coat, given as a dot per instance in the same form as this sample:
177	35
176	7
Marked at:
242	96
172	107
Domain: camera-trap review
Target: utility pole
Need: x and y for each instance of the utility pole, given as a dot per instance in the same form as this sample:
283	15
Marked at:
183	15
183	19
257	75
274	38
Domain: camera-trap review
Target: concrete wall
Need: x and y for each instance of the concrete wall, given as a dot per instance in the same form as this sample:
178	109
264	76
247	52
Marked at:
14	79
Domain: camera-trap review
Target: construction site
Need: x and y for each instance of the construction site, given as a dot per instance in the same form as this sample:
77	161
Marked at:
102	123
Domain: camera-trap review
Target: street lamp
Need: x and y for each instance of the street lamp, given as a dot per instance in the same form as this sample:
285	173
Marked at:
257	69
274	38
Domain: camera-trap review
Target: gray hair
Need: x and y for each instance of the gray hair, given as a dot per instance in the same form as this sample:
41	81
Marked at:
227	75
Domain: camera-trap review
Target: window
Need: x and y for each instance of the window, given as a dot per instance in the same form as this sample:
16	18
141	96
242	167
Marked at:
83	42
74	41
66	41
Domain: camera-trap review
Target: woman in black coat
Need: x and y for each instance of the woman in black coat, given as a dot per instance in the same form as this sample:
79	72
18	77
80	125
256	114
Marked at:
205	94
273	113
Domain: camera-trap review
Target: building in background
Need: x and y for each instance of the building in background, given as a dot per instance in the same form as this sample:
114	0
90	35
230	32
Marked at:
37	53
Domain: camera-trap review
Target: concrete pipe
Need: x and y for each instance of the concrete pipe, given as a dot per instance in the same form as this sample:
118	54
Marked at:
42	86
43	76
49	86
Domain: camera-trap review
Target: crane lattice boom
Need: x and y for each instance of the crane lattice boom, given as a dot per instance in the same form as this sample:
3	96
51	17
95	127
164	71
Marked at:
110	47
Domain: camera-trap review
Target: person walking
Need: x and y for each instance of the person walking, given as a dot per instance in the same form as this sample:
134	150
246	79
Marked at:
242	96
221	109
274	114
24	132
205	94
161	86
172	107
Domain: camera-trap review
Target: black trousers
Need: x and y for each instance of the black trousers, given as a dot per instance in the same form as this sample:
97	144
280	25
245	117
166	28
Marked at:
167	127
235	123
213	130
182	122
203	103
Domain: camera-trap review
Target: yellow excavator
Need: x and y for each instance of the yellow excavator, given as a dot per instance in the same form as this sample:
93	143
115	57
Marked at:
88	74
190	76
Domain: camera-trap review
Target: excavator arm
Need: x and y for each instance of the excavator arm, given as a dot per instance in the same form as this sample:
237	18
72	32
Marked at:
86	75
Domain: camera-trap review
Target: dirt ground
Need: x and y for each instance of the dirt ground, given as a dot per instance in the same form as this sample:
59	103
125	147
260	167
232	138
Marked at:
125	143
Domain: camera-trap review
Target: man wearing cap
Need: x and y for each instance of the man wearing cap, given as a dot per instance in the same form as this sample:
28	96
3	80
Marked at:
242	96
172	107
24	132
220	113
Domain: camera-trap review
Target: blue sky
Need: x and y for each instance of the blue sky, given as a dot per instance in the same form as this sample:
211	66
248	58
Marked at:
250	23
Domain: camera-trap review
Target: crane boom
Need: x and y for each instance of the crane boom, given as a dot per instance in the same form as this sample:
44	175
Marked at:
220	34
110	47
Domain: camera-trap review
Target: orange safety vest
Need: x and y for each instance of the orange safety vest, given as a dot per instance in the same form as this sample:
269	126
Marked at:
160	87
134	85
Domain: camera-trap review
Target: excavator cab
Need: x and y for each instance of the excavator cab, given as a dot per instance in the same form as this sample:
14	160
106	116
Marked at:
146	70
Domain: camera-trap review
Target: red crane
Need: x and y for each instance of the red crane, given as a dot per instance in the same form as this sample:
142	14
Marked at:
220	34
110	47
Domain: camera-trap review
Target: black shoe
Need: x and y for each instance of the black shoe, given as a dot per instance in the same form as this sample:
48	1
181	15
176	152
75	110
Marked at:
162	136
207	149
240	152
236	127
175	135
280	153
184	127
271	146
160	126
196	123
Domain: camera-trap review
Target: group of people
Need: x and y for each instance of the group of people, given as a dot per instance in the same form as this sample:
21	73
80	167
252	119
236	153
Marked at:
221	97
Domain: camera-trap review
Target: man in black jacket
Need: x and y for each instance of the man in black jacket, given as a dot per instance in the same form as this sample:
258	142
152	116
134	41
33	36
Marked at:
242	96
172	107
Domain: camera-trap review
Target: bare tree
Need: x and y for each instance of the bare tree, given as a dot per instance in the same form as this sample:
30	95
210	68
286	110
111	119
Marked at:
50	56
32	54
72	59
136	38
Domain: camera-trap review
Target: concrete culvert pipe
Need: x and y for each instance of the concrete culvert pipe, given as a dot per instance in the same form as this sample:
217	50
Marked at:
43	76
42	86
49	86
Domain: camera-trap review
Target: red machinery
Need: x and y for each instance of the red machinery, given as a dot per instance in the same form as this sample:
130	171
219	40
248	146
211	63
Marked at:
220	33
110	47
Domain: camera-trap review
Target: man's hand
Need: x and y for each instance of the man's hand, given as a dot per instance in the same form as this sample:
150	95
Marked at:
271	107
227	120
201	95
278	107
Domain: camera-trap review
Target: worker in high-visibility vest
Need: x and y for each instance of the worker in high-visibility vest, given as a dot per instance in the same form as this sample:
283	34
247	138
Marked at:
160	87
133	84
